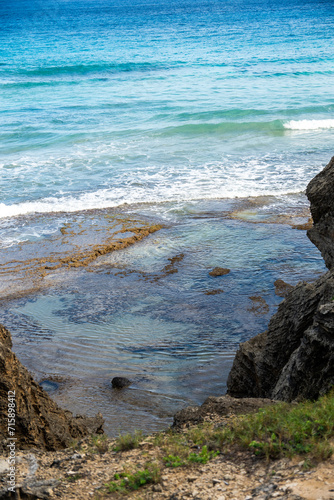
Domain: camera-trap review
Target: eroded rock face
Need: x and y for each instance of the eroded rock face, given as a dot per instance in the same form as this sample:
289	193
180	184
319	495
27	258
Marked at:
320	192
294	358
40	422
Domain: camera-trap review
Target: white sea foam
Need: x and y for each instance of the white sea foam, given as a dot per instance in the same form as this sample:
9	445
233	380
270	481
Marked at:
104	199
157	183
309	124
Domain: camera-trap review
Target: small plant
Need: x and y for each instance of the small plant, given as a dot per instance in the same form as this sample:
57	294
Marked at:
173	461
131	482
100	443
257	447
74	478
128	441
73	444
203	456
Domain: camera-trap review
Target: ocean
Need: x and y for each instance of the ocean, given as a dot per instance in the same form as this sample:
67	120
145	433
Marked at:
207	118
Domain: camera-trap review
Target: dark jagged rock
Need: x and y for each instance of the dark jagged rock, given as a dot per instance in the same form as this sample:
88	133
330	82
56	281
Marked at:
320	192
294	358
39	421
310	370
120	382
221	406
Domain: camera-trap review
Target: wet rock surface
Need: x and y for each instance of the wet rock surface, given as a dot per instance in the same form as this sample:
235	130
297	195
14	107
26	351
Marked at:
294	358
120	382
39	421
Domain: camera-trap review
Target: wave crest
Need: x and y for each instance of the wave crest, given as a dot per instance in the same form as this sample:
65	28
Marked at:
309	124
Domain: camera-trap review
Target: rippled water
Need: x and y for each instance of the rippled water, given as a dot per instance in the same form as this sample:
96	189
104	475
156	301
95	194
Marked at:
152	312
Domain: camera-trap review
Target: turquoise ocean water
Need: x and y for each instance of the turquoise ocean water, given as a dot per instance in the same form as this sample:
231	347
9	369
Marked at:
178	111
110	102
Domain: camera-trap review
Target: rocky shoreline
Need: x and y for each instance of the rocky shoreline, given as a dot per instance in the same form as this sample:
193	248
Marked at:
292	360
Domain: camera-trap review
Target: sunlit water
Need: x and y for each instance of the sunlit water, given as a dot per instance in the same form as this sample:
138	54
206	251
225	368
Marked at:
106	102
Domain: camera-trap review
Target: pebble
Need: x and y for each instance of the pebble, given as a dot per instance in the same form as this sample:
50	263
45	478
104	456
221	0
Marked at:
4	467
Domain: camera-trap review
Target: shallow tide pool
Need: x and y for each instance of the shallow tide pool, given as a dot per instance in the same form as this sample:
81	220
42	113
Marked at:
152	312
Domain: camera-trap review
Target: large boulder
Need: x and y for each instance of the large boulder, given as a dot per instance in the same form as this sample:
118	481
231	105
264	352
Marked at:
39	421
294	358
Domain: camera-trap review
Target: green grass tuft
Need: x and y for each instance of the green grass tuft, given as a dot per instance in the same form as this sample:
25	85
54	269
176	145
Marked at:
100	443
203	456
128	441
125	481
278	430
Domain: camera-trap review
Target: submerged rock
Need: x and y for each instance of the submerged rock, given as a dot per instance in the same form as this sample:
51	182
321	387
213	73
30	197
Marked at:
294	358
214	292
120	382
49	385
282	288
219	271
259	305
39	421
